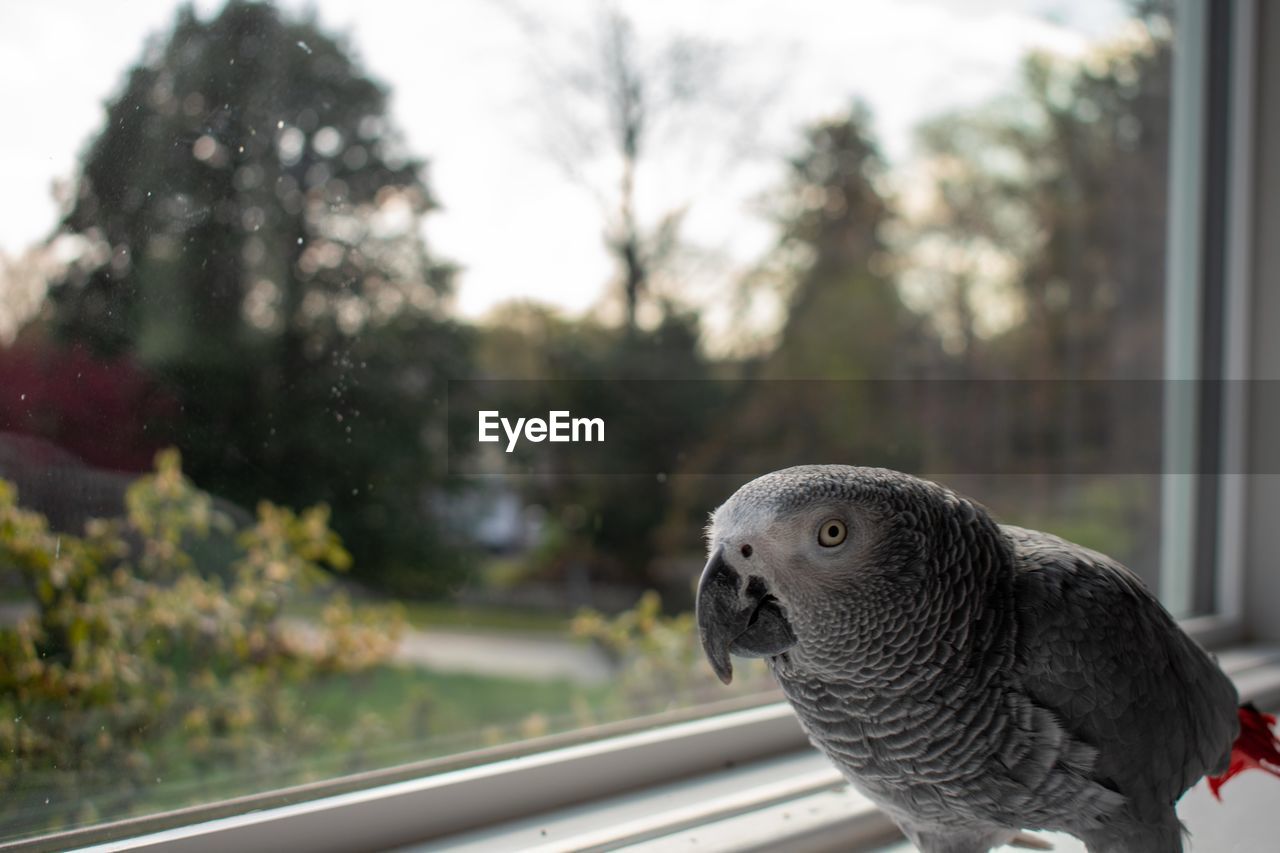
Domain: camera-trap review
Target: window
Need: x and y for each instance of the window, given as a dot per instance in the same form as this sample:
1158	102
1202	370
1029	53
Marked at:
252	548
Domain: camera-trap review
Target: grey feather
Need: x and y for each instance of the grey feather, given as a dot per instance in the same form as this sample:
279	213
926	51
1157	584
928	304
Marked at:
1098	649
973	679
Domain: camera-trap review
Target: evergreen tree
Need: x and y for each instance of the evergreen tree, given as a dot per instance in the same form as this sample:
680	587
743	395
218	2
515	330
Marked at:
845	322
652	387
845	319
1066	183
818	397
252	230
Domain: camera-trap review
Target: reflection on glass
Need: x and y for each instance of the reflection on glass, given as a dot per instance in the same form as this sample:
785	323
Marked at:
234	552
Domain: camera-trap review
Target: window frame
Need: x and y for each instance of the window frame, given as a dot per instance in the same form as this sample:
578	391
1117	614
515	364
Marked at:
1207	341
1239	279
1206	514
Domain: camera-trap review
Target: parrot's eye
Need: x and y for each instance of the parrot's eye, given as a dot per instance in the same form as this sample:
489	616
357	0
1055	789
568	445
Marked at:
831	533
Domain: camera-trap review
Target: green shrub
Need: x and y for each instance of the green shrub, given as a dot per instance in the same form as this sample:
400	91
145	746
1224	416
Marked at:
136	663
660	664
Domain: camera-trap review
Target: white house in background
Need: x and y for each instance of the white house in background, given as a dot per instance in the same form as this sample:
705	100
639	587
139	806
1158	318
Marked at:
490	514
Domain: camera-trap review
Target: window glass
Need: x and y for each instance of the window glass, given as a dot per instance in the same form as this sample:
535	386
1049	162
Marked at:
257	261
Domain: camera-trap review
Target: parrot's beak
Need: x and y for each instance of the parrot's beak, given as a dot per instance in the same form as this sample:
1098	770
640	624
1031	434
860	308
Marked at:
745	620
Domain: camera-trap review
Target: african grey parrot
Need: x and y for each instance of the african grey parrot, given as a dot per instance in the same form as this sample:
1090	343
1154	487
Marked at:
973	679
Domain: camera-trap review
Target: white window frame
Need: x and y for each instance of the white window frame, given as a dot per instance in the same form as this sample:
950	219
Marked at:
431	800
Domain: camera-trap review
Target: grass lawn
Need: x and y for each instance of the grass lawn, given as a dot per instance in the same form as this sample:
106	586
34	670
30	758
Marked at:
393	715
450	704
379	718
426	614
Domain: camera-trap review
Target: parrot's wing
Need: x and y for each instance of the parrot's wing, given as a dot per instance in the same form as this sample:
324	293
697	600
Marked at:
1098	650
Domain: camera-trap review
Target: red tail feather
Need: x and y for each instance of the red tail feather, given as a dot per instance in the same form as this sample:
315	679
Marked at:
1256	746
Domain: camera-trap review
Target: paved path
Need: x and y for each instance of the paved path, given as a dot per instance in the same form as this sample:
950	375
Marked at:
502	653
12	611
514	655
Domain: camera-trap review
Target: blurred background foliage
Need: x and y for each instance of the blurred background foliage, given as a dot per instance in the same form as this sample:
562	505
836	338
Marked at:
250	226
165	625
658	659
250	285
170	655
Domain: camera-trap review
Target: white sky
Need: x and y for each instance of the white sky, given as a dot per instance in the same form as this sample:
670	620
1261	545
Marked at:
462	92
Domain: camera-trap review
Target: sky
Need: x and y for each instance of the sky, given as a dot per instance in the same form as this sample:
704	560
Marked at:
465	95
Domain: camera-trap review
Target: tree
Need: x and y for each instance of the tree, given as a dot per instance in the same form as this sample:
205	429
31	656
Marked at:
616	107
605	502
845	319
1049	204
251	224
1049	209
814	397
92	407
22	287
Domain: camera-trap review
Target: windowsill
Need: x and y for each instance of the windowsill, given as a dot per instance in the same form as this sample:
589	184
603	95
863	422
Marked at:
790	785
832	818
759	785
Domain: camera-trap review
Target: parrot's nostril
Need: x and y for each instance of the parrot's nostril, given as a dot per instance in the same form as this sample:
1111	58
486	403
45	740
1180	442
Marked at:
746	550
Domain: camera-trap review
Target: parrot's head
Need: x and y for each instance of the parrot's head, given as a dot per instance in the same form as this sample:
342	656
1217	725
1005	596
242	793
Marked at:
832	564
